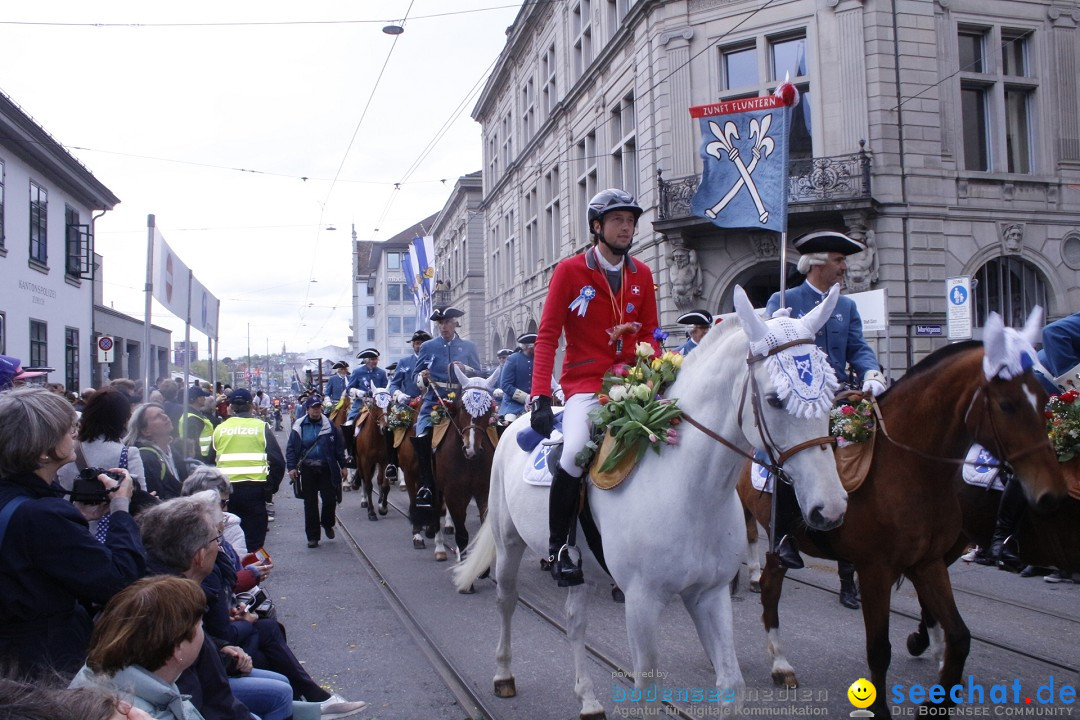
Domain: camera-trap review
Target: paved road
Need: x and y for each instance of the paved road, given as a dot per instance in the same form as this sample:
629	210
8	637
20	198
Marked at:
355	638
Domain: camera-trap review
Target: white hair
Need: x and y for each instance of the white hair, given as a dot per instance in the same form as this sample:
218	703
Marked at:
809	260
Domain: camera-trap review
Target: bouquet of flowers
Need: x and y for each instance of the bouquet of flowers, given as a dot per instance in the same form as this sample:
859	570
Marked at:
1063	424
852	423
400	416
632	409
439	413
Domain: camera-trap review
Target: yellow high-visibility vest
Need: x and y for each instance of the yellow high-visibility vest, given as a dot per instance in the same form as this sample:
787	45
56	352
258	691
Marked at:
206	433
240	444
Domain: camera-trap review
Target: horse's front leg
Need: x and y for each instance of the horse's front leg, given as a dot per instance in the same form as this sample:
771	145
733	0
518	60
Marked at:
875	583
711	612
376	470
772	585
753	559
576	604
932	582
440	544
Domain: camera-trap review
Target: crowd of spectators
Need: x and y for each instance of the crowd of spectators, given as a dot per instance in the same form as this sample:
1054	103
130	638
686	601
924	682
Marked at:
124	574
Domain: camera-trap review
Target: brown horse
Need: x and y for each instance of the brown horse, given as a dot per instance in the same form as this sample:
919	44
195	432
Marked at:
906	518
371	454
462	460
1047	539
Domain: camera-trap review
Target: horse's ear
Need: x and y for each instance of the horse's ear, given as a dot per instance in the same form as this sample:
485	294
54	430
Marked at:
463	379
1033	327
493	380
993	345
817	317
752	323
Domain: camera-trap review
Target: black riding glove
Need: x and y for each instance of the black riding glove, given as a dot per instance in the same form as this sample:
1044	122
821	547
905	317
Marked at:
542	419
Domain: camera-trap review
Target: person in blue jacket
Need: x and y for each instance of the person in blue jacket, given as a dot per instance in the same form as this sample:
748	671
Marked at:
335	386
365	377
823	260
403	388
315	457
515	380
434	376
700	322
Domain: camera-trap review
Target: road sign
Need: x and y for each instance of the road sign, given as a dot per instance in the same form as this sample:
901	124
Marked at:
105	349
928	330
958	305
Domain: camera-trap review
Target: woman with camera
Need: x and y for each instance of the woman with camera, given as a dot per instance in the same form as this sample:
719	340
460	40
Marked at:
101	437
148	634
51	568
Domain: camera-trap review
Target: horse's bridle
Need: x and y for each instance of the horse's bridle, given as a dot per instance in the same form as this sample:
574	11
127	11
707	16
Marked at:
776	462
472	425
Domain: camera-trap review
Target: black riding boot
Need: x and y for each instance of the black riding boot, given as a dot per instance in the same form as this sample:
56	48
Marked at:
392	461
787	512
1010	511
849	591
562	511
424	503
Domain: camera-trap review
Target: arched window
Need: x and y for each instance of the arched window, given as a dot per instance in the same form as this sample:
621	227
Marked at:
1011	287
511	338
759	282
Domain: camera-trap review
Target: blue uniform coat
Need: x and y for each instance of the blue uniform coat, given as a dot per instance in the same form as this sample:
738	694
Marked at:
516	375
365	379
435	356
405	377
335	388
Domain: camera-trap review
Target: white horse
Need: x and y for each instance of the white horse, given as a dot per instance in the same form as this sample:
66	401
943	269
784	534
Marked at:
675	526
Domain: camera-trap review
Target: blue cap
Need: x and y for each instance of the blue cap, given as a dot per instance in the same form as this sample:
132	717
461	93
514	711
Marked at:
240	396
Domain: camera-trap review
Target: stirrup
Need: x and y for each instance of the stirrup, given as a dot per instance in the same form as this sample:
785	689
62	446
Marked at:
787	552
565	571
424	498
391	473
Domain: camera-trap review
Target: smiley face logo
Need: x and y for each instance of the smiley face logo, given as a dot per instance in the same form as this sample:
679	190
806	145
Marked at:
862	693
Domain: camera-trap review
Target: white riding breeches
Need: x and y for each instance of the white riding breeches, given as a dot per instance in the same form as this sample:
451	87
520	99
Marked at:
576	429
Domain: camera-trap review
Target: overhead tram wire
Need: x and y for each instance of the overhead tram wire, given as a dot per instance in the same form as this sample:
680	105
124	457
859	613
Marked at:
341	165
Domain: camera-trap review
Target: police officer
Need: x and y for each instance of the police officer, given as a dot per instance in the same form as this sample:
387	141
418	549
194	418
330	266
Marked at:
822	260
515	379
700	322
605	303
196	429
248	454
403	388
365	377
335	386
434	376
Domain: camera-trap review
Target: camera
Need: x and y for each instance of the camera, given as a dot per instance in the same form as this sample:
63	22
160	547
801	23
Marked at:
87	488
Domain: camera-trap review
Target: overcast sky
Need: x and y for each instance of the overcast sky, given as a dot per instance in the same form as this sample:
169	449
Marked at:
212	126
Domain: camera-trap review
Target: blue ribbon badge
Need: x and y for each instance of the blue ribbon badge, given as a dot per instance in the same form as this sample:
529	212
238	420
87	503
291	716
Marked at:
581	302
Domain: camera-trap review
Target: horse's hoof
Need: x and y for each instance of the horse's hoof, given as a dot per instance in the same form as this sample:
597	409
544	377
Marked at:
598	715
505	688
755	586
467	591
785	677
618	595
917	644
382	510
372	516
363	503
418	544
440	556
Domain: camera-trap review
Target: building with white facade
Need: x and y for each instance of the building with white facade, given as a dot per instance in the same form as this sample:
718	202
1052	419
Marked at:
48	201
944	133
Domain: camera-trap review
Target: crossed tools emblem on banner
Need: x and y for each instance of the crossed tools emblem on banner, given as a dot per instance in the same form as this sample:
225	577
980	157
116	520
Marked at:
723	146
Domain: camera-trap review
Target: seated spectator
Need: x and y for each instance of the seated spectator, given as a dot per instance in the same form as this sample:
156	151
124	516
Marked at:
101	437
149	633
150	430
51	568
23	700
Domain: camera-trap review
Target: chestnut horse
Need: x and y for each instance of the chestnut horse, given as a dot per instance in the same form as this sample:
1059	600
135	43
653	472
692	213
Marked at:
1047	539
906	518
371	454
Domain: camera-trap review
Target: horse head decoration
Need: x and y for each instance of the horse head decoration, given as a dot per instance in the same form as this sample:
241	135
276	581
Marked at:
751	383
478	401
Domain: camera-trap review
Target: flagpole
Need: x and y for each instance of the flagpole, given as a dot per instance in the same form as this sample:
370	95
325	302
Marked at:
149	291
187	350
783	265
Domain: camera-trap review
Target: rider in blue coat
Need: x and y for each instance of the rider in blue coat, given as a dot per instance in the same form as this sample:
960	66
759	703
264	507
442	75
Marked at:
434	375
700	322
335	386
365	377
516	377
822	260
403	388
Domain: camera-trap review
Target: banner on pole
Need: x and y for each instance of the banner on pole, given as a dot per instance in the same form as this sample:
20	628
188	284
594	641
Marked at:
744	146
204	309
170	284
423	251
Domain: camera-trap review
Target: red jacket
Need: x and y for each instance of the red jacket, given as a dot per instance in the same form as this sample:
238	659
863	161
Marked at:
589	354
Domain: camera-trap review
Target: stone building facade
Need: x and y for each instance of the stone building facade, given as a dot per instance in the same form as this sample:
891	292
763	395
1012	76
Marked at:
944	133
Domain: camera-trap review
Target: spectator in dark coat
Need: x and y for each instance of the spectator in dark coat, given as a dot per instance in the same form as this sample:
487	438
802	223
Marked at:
50	565
150	430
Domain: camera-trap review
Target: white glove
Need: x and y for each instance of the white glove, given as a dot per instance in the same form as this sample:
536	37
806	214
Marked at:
873	383
421	381
355	393
520	396
400	398
558	396
497	393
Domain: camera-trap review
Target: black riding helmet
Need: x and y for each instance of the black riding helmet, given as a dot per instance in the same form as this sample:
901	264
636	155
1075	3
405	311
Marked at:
604	202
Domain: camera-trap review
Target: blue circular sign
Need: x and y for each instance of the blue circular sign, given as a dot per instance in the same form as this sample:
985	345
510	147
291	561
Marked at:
958	295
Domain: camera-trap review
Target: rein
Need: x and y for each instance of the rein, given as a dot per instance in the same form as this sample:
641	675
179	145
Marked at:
776	461
453	420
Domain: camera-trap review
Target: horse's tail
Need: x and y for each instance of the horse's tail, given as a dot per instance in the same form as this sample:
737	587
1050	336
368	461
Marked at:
478	558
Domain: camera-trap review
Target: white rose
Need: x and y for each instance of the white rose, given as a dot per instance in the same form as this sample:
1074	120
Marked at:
645	350
617	393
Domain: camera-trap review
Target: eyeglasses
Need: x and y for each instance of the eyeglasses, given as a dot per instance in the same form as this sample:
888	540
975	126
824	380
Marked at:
224	504
215	540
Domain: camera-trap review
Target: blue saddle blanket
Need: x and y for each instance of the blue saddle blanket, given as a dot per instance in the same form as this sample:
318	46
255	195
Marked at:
528	438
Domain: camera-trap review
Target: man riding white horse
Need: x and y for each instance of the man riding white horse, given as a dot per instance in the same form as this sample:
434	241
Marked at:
605	303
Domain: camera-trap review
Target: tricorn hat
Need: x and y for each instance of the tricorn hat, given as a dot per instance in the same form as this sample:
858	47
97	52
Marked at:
505	352
446	313
367	353
420	336
340	364
527	339
828	241
696	317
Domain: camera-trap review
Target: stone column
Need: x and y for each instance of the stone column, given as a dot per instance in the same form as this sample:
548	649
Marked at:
683	146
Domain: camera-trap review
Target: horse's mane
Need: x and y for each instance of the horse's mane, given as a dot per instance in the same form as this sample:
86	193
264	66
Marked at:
937	358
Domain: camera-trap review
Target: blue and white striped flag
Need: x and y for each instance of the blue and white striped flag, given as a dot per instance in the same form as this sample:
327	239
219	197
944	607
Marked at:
744	145
423	248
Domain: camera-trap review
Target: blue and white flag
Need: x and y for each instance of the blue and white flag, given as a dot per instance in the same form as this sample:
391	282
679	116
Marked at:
744	145
423	250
